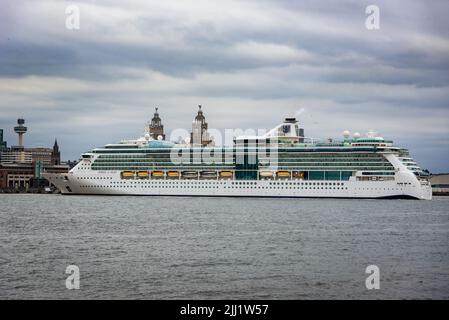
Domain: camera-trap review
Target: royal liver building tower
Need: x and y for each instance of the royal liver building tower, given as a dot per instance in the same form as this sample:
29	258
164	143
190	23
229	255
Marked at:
200	136
156	127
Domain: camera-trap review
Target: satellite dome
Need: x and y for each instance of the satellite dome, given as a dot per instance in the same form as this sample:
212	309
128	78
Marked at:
159	138
356	135
346	134
147	136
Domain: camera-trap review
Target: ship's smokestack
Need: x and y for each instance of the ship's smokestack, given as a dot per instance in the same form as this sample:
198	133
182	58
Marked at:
291	120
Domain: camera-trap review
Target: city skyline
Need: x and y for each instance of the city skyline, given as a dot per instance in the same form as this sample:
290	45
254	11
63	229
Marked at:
250	64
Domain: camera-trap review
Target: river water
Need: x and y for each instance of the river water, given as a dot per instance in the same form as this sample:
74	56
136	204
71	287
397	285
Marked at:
222	248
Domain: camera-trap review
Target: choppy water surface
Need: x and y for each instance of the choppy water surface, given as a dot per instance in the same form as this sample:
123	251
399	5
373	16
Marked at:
222	248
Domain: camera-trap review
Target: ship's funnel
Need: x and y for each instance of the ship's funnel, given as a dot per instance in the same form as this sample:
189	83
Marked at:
290	120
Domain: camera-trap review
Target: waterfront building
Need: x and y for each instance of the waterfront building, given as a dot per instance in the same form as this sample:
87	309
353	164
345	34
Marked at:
19	175
200	136
18	154
21	167
56	154
3	144
156	129
440	184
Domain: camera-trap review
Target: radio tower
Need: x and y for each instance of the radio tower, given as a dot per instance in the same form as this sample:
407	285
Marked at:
20	129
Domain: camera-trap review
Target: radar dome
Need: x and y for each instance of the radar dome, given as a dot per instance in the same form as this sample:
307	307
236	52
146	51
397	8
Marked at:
147	136
159	138
346	134
356	135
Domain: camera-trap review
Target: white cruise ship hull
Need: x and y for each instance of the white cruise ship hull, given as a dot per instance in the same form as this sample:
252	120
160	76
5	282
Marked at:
404	186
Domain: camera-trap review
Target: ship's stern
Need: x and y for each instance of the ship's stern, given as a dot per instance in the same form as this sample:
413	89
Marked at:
426	190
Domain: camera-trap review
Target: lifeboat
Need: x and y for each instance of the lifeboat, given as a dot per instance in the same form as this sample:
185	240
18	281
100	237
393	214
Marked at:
157	174
283	174
190	174
226	174
266	174
208	174
173	174
127	175
143	174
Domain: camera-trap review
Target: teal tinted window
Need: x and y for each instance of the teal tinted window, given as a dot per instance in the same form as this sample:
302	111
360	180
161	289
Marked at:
345	175
332	175
316	175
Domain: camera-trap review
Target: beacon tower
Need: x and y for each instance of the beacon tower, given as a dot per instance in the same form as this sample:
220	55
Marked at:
20	129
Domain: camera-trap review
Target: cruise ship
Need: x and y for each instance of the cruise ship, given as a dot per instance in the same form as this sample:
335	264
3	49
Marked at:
280	163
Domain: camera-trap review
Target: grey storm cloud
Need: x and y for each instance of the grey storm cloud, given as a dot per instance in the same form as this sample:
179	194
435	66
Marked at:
250	63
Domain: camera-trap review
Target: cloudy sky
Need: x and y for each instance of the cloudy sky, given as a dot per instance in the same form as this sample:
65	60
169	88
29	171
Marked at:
249	63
